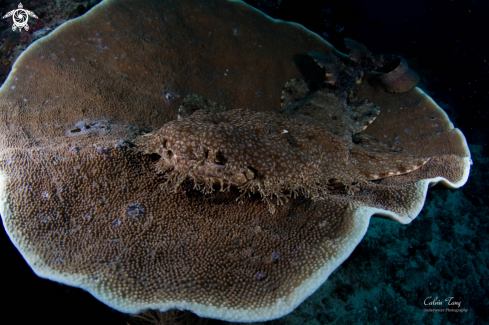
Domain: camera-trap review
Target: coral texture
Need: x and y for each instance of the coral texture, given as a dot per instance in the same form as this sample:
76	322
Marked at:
86	208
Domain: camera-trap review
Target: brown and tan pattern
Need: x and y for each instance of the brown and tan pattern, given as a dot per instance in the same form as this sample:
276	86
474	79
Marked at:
87	208
273	154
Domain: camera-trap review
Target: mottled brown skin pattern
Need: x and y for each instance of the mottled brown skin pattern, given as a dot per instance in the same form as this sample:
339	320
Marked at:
302	151
270	153
86	208
265	152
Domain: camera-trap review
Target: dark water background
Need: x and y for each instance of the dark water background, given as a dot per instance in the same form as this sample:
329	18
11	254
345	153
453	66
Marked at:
446	42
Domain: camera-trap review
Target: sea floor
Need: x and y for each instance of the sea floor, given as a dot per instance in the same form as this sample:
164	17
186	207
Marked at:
397	271
397	275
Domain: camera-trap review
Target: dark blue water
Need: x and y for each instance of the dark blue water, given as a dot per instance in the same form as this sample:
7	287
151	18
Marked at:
446	43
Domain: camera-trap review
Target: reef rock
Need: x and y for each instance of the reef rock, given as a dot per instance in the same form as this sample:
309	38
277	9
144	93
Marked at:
96	148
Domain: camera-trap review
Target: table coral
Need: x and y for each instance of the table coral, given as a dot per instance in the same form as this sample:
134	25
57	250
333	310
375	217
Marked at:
87	208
